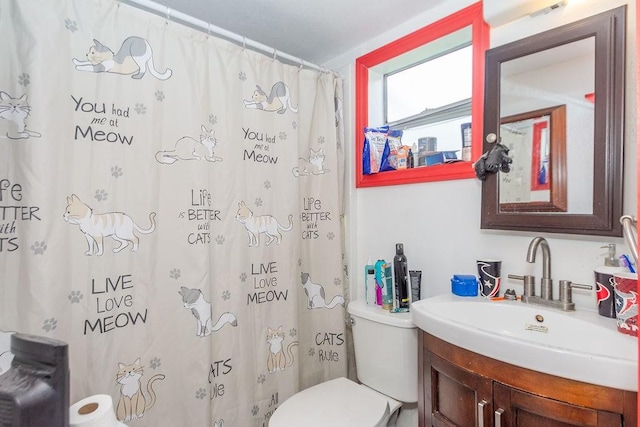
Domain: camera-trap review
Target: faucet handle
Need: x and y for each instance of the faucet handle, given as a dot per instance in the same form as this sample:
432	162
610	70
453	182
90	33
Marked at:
565	289
529	283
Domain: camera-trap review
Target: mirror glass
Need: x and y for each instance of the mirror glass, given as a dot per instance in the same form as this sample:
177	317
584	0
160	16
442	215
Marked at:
556	101
564	75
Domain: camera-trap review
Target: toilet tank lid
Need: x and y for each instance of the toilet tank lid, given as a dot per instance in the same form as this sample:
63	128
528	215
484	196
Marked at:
374	313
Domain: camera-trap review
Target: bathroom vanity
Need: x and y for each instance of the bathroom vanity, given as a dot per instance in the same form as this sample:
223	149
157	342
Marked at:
508	363
461	388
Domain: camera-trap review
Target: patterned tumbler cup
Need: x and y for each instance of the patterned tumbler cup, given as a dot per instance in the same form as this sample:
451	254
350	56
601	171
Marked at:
626	285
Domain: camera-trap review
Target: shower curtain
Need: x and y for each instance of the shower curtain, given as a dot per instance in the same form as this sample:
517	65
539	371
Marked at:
171	207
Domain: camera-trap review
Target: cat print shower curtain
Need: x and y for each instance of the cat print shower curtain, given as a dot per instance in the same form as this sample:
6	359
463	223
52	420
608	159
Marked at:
171	207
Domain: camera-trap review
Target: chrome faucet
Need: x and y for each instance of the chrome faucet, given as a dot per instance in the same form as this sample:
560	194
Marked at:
546	284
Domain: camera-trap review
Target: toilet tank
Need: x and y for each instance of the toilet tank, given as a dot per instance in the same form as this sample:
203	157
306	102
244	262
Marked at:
386	348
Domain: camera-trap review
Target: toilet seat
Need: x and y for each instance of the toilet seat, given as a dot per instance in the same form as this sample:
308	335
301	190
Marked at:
337	403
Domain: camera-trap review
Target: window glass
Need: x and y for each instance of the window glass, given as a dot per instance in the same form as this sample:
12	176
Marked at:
435	83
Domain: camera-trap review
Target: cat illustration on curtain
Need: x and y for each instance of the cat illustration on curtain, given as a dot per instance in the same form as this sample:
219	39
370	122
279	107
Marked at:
5	351
134	58
13	117
256	225
278	100
315	294
193	299
313	166
277	360
96	227
132	403
187	148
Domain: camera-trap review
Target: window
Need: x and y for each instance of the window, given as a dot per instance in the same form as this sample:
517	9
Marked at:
429	84
417	92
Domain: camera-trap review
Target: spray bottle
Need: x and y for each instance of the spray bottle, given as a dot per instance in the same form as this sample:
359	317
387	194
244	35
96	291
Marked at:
402	289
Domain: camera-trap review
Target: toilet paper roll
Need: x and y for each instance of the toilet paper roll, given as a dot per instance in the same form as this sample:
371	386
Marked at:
94	411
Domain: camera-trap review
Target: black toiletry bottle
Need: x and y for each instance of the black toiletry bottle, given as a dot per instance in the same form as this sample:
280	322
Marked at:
401	276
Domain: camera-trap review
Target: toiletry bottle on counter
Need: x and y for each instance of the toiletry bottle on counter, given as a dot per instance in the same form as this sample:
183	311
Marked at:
414	153
415	278
401	279
370	283
604	282
385	283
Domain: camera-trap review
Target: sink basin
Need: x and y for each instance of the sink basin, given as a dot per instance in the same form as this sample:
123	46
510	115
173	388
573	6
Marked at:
579	345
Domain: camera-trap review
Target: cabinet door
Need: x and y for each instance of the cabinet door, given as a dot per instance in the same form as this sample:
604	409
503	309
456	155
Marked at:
453	396
514	407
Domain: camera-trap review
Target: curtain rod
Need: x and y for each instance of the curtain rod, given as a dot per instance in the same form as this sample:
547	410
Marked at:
212	29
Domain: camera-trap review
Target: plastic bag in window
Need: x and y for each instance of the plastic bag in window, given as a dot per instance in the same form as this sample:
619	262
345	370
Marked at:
394	141
375	150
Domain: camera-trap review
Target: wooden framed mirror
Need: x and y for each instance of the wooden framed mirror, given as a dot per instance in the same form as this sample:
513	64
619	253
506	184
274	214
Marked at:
558	67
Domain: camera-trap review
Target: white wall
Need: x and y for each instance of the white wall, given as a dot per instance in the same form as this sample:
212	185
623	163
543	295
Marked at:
439	223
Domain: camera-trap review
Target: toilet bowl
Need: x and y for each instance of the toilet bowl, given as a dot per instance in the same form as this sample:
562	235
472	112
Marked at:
386	350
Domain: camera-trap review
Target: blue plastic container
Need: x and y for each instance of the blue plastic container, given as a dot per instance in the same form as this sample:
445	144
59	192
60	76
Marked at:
464	285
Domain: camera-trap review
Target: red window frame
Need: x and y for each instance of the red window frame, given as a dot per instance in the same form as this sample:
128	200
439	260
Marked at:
469	16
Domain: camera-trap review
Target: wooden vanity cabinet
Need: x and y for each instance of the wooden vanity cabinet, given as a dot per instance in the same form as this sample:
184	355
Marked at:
461	388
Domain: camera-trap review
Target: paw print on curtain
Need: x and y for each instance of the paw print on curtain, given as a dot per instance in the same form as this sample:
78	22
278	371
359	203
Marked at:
38	248
116	171
75	297
50	324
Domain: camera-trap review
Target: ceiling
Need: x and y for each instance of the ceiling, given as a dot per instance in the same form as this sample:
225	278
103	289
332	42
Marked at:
314	30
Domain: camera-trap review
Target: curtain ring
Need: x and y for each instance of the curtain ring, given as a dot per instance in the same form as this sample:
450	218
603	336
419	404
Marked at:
208	29
275	53
244	42
168	14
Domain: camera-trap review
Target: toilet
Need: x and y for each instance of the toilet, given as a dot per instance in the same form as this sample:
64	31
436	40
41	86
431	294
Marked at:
386	349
